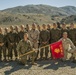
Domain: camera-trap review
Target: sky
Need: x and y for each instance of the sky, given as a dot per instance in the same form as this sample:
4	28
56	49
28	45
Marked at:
4	4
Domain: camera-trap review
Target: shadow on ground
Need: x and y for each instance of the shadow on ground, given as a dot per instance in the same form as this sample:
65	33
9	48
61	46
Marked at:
50	64
55	64
15	67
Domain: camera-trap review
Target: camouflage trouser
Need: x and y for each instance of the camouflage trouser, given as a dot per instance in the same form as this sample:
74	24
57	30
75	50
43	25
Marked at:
42	51
2	50
6	47
37	52
70	51
23	59
35	46
10	50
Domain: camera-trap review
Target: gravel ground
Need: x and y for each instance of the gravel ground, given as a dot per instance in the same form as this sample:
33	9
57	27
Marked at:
50	67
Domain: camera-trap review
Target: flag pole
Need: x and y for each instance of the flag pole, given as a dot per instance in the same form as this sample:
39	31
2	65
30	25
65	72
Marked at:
32	51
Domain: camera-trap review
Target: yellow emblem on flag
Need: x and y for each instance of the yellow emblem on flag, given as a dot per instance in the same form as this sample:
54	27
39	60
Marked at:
57	50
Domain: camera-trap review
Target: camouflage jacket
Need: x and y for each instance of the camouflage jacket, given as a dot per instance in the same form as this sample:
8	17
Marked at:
24	46
67	44
55	35
21	34
44	36
11	37
33	35
2	38
72	35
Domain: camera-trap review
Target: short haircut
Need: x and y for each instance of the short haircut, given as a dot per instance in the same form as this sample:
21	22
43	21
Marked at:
26	34
65	33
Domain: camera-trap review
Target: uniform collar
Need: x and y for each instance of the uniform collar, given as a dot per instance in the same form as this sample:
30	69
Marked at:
64	39
25	41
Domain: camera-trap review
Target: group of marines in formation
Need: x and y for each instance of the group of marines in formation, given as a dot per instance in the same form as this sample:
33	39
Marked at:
20	40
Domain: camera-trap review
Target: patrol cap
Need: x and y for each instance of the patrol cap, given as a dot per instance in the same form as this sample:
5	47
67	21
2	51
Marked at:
65	33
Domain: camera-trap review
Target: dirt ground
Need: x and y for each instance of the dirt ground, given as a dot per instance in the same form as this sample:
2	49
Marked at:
49	67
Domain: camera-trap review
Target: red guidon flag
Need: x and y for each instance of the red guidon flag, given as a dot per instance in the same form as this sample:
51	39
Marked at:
57	50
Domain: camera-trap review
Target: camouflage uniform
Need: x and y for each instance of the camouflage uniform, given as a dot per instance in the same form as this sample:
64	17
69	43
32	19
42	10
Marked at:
39	29
44	37
50	35
68	46
72	35
55	35
11	44
21	34
16	42
2	47
34	35
24	47
49	29
34	38
6	43
17	37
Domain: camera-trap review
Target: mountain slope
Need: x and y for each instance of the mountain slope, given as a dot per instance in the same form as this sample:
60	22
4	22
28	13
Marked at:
69	19
37	13
71	10
17	19
39	9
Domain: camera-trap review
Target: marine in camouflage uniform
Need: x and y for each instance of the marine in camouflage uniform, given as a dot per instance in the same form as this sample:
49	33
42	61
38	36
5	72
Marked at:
16	39
2	46
39	29
23	47
21	33
44	40
12	43
16	34
68	47
55	33
49	29
72	33
34	36
64	29
6	41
